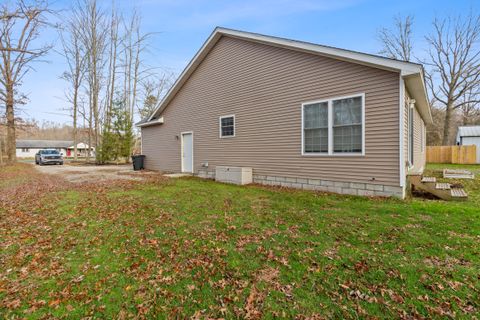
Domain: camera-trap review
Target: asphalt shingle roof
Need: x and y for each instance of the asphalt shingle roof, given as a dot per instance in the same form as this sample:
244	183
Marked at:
45	144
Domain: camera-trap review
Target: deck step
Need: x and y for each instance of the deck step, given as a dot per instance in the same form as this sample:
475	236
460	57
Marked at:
443	186
458	174
429	179
458	193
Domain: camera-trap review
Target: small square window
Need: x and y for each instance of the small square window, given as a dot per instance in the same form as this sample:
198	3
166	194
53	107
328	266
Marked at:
227	126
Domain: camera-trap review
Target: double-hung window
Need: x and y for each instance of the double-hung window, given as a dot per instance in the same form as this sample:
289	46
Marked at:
334	126
227	126
315	127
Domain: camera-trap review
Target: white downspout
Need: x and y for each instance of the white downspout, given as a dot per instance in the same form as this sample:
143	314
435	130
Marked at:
401	133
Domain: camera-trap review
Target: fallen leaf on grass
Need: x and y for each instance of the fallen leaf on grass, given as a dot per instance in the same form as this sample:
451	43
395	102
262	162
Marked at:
252	305
396	297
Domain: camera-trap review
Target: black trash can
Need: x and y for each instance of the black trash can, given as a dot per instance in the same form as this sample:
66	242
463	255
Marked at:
138	161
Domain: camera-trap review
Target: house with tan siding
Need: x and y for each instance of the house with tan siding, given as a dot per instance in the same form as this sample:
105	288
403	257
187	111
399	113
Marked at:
296	114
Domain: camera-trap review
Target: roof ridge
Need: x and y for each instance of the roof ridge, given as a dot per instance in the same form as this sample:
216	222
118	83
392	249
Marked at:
219	28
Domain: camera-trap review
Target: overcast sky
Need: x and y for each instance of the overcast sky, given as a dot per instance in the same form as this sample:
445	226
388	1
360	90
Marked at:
182	26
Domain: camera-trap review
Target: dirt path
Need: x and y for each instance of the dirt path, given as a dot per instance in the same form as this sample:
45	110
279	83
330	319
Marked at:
91	173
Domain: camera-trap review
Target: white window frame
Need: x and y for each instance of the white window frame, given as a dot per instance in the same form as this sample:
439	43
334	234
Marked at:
220	126
330	152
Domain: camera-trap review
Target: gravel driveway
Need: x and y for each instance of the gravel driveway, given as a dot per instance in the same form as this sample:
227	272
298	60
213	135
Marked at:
89	173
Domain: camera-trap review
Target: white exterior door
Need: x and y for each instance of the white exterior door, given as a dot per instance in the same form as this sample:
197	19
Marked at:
187	152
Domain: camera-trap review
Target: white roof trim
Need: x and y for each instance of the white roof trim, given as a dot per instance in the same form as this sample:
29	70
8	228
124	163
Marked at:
405	68
151	123
468	131
415	85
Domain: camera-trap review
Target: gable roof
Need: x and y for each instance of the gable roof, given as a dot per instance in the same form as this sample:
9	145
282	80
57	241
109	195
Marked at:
468	131
44	144
412	73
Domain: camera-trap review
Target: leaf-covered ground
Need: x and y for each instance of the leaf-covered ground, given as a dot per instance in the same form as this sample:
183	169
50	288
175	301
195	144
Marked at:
195	248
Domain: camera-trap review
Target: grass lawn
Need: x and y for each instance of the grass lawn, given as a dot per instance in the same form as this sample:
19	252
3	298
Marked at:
195	248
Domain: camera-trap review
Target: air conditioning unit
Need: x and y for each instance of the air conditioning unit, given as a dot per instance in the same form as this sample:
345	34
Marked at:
235	175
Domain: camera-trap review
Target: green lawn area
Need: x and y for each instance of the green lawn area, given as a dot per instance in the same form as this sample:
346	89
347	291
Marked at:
189	247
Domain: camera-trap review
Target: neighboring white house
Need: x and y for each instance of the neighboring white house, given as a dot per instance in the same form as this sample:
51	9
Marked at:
28	148
469	135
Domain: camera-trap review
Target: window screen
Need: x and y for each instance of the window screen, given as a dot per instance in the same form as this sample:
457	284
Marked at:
347	125
227	126
410	135
315	126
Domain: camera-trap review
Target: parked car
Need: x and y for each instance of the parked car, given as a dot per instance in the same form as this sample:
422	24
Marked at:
46	156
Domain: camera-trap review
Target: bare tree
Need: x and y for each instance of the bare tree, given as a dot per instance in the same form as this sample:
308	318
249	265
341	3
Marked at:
20	27
84	112
2	134
455	65
469	112
113	51
435	129
112	68
75	56
95	39
135	44
397	42
153	90
139	46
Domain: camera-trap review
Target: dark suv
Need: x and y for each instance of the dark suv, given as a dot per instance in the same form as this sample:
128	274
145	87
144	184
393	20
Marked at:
48	156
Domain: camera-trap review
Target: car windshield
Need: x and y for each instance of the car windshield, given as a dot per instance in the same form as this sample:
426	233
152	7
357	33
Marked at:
49	152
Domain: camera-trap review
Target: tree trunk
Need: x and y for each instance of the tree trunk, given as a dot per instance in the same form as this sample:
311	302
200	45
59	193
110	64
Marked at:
10	124
447	124
113	64
75	99
90	129
1	151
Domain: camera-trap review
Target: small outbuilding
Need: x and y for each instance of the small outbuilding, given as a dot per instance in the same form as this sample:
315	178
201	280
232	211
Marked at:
469	135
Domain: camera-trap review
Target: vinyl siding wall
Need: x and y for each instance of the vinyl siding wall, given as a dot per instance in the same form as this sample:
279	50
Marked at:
419	148
264	87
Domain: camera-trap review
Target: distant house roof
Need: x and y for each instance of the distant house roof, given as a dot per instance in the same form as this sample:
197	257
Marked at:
44	144
468	131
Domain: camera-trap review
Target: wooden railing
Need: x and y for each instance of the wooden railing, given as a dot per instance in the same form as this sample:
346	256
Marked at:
452	154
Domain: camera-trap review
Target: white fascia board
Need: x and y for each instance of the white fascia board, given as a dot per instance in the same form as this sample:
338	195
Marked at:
415	85
151	123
